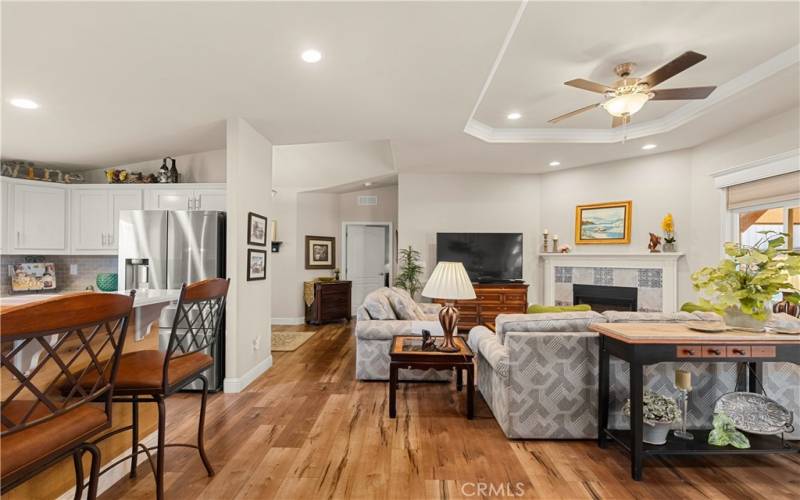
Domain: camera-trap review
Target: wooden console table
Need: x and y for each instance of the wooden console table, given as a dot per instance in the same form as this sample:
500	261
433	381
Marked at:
643	344
491	299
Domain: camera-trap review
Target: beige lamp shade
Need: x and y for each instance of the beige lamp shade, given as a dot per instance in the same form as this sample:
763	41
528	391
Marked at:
449	281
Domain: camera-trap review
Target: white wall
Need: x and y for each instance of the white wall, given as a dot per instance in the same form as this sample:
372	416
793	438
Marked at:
208	166
469	203
249	174
287	289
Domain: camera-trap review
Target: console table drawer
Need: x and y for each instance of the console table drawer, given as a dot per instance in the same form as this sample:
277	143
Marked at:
689	351
739	351
763	351
713	351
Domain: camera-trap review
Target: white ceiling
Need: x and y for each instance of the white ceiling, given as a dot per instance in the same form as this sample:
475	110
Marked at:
125	82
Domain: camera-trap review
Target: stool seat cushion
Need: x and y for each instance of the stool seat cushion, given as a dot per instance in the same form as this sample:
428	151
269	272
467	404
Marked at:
144	369
26	447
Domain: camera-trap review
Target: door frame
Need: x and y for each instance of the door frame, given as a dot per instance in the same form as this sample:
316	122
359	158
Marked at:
388	225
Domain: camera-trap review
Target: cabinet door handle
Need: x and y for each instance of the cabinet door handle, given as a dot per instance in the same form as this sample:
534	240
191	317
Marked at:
17	238
102	239
110	239
197	203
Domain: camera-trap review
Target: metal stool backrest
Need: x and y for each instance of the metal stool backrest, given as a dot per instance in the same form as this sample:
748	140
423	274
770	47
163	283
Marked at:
198	319
54	343
788	308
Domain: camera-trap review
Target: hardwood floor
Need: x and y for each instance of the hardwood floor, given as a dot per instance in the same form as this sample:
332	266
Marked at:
307	429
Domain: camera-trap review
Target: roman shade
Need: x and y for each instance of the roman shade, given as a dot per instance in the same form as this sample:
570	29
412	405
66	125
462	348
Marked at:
784	187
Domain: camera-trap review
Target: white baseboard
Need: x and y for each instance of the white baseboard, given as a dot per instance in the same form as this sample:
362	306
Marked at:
119	471
231	384
299	320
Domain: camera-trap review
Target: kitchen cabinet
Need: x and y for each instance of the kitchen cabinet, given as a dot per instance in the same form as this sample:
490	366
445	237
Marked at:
186	199
4	208
39	219
95	217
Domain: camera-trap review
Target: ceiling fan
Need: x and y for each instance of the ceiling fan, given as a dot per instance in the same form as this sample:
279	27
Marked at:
627	95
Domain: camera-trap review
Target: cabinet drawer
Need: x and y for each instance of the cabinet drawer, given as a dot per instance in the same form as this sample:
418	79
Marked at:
498	309
689	351
713	351
489	297
514	298
467	308
738	351
762	351
464	319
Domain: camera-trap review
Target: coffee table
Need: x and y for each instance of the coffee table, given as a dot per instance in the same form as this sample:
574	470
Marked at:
407	352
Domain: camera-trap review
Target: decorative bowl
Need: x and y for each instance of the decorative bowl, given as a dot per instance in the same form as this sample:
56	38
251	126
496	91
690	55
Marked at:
107	282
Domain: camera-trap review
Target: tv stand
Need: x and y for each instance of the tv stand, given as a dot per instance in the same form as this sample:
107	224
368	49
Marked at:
492	299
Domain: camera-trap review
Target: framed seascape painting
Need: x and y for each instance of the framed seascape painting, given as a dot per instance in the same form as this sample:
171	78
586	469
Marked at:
256	264
320	252
603	223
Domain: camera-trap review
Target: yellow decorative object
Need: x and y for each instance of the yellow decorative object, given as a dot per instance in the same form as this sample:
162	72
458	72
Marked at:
667	225
308	292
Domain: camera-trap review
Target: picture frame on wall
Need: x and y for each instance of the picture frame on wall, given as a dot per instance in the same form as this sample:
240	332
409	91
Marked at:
320	252
256	264
256	230
603	223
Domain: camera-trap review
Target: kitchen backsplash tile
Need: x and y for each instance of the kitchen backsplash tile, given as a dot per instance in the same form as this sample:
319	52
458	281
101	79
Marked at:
88	268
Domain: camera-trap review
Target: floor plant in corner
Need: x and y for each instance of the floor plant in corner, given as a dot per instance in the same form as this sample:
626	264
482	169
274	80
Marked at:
410	270
743	285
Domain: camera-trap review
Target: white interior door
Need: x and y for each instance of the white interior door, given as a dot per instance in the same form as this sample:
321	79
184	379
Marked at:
367	254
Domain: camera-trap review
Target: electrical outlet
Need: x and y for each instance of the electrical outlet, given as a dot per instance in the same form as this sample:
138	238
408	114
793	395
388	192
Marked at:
257	343
73	269
10	271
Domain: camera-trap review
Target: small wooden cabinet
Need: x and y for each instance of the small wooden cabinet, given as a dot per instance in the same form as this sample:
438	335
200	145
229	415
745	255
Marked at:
492	299
331	302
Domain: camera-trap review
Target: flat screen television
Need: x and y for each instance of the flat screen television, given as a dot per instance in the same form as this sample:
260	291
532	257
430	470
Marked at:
488	257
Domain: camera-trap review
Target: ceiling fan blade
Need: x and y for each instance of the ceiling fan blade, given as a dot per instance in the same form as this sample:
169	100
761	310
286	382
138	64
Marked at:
590	86
672	68
617	121
573	113
686	93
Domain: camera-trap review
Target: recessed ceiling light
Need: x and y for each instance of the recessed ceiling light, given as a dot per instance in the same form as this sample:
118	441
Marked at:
367	184
312	56
648	146
555	163
514	116
23	103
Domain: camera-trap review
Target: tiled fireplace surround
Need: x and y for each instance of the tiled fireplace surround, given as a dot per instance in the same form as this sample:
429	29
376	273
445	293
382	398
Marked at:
653	275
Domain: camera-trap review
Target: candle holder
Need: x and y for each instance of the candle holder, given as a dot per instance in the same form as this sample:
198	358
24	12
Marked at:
544	246
555	245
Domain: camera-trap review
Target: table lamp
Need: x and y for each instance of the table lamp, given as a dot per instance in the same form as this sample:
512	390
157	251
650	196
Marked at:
449	282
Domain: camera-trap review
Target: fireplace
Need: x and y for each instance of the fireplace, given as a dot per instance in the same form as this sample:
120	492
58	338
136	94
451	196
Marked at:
606	298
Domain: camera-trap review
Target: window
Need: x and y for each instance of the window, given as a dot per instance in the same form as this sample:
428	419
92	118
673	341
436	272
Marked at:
780	219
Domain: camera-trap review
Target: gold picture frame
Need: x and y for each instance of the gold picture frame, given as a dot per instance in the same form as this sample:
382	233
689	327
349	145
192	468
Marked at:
603	223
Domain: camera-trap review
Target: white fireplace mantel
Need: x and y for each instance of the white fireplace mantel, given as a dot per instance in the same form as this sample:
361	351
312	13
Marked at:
667	262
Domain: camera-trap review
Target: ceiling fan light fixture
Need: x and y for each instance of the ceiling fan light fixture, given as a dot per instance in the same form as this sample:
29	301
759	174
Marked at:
626	104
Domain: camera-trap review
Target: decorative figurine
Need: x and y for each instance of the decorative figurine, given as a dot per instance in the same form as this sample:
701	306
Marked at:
655	241
163	172
555	243
73	178
150	179
564	249
428	343
544	244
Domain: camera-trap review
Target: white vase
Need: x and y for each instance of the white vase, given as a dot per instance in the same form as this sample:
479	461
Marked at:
736	318
655	433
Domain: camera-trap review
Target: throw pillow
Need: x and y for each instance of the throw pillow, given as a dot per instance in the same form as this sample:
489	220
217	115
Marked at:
404	307
378	306
538	308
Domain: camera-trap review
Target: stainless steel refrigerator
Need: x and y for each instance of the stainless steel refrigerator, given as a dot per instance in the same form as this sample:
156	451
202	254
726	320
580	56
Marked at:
162	250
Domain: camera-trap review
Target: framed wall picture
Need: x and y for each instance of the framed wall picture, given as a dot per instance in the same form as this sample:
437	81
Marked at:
256	264
256	230
603	223
320	252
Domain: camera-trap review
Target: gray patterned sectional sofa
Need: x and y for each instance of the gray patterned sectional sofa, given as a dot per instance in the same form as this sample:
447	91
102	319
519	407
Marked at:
538	374
387	312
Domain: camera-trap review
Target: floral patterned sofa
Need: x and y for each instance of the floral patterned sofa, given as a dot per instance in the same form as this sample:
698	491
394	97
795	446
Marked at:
538	374
387	312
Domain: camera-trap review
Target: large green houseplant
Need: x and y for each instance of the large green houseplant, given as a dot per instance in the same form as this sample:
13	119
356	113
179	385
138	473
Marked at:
742	286
410	271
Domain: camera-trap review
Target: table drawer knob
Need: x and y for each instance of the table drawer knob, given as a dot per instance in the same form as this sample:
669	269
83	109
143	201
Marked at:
684	351
740	351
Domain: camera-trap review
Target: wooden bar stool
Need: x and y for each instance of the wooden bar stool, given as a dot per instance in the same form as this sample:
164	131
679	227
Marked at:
151	376
49	345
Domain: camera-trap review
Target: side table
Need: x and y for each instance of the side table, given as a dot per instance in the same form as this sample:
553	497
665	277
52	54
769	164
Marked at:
407	352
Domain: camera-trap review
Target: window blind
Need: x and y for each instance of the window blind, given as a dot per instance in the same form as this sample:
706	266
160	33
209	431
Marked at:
784	187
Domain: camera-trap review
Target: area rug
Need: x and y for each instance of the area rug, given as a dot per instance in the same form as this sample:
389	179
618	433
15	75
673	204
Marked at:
289	341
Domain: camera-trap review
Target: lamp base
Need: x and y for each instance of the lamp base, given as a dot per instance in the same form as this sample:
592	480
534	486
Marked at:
448	318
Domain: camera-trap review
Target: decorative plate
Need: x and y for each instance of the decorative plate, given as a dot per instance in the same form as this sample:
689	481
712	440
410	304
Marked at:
755	413
786	331
707	326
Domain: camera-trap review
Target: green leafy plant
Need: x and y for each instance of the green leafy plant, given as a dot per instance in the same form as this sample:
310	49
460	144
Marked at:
750	277
657	409
410	271
725	433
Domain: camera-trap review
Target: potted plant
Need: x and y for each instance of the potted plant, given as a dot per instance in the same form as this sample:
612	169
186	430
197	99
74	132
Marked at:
660	412
668	226
742	286
410	271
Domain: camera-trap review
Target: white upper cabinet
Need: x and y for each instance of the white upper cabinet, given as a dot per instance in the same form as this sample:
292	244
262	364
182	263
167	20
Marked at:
4	209
186	199
39	219
95	217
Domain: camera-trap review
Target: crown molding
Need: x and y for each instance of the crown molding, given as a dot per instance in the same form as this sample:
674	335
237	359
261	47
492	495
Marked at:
667	123
782	163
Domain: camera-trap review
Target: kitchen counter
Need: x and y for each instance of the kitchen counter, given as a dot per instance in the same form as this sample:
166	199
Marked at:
147	305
